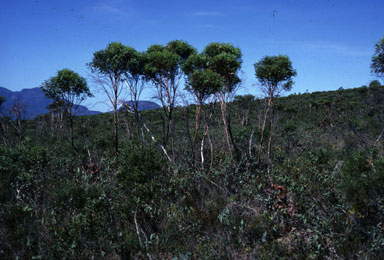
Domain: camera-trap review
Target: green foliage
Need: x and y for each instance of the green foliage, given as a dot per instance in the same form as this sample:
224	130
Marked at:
135	65
113	60
139	167
204	83
160	64
363	180
224	59
244	100
377	65
181	48
195	62
322	199
275	73
66	89
165	62
374	84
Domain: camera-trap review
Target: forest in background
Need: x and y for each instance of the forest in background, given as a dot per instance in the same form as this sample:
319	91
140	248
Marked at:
199	183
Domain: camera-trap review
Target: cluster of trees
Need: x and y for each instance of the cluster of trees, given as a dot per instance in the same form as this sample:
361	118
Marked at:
84	194
211	77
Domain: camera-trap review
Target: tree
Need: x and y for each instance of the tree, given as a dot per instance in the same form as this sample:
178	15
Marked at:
377	65
202	83
68	89
225	59
374	84
274	74
164	69
109	67
134	77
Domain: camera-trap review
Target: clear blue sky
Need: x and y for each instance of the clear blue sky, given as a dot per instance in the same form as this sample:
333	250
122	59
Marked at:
330	42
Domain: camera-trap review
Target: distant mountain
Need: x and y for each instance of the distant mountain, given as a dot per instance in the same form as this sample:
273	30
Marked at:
33	102
142	105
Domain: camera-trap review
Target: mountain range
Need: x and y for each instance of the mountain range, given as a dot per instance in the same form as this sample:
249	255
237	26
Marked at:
34	102
142	105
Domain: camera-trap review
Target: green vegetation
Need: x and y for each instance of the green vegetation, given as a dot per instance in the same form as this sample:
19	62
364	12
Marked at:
274	74
322	198
109	67
377	65
66	89
318	194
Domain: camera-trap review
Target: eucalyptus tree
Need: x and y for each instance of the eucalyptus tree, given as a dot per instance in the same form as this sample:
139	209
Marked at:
202	83
109	67
275	74
134	78
164	69
377	65
225	60
67	89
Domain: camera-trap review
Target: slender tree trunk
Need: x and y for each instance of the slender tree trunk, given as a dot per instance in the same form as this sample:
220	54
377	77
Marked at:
191	145
115	131
237	152
250	143
197	126
71	126
206	134
71	131
168	116
137	124
202	151
126	123
173	147
263	131
136	109
170	135
211	146
270	140
223	107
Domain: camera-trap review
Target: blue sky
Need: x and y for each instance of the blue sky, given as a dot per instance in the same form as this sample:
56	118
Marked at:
330	42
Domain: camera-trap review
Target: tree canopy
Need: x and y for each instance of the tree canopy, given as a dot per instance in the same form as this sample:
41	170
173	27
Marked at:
204	83
113	60
275	73
226	60
66	87
110	66
377	65
374	84
165	62
164	68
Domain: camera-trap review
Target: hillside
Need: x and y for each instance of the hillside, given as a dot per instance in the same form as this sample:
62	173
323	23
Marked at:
142	105
320	197
33	102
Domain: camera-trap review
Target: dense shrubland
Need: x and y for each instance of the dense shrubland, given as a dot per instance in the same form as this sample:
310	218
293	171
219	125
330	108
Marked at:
323	197
196	181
